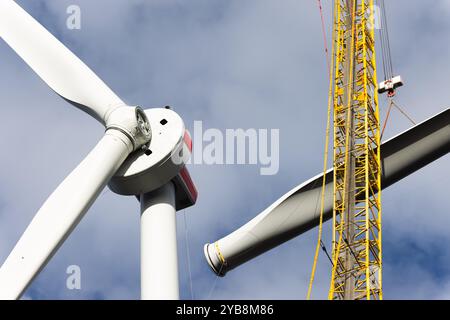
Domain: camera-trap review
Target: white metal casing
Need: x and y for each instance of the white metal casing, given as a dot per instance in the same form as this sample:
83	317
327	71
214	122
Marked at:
167	154
133	122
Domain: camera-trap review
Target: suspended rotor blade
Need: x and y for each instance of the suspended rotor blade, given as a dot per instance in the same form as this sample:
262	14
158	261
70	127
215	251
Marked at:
61	213
64	72
298	211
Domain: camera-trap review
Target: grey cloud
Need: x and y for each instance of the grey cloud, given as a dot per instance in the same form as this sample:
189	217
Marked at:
248	64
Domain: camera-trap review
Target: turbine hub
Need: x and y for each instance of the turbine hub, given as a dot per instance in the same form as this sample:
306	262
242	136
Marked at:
133	122
163	161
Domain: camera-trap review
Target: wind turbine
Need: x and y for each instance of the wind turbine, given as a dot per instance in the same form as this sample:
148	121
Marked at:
142	153
297	211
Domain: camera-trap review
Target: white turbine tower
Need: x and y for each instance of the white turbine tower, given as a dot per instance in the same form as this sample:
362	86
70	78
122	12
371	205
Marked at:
142	153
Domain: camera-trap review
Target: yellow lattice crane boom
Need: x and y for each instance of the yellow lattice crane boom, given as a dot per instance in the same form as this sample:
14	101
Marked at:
356	251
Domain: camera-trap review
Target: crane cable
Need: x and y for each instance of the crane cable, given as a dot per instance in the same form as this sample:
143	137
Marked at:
393	104
324	34
387	61
403	112
385	42
325	161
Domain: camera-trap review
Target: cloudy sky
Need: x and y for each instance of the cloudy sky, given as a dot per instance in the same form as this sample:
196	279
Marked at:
231	64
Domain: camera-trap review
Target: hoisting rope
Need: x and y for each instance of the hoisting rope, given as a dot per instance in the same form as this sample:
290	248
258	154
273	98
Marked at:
403	112
393	104
325	160
385	42
324	34
387	61
324	249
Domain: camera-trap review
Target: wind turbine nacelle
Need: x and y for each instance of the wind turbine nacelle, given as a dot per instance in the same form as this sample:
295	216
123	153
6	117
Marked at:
163	161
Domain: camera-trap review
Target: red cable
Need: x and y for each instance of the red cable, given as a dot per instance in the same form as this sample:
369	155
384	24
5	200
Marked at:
387	118
324	35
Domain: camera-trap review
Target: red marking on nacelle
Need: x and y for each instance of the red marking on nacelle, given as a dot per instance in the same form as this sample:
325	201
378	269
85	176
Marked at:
186	178
187	140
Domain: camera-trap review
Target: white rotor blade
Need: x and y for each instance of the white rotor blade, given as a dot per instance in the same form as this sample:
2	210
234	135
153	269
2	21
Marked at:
298	210
61	213
64	72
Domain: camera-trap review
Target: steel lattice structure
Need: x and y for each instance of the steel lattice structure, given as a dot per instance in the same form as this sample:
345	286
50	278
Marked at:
357	263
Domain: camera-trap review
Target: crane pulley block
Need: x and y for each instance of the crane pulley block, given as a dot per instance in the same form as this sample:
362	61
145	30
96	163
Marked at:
390	85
